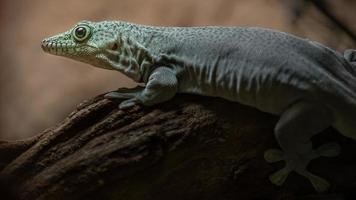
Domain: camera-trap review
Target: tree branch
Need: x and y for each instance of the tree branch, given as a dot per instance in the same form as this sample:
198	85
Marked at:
191	147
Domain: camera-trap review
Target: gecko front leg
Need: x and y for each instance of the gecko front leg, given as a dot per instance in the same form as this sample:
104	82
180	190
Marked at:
293	132
162	85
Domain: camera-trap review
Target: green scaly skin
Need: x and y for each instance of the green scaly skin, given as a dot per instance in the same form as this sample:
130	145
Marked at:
310	86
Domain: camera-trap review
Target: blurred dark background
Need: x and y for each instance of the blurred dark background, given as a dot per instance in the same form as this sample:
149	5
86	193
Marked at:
38	90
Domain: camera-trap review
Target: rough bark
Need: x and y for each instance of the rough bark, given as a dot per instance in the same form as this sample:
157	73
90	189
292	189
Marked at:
188	148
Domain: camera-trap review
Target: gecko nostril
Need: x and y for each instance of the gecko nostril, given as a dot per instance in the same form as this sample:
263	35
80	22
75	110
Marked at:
43	44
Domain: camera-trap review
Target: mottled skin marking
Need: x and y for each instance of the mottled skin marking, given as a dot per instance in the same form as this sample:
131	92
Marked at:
310	86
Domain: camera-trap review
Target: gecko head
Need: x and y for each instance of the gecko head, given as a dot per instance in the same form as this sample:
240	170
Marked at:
90	42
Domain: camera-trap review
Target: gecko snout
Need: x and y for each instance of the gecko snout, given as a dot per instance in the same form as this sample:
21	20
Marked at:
49	46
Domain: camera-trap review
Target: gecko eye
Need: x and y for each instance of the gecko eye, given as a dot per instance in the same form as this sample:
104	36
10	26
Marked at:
80	33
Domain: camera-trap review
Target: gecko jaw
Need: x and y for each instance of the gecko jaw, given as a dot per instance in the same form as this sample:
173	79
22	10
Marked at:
56	48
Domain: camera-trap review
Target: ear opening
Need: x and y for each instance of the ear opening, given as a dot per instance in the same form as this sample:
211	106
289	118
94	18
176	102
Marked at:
114	47
350	55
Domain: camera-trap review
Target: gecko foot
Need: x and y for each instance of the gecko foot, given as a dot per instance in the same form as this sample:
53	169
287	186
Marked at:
320	185
278	178
130	96
299	164
126	104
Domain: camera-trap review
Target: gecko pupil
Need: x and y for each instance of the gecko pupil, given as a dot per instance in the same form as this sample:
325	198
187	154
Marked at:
80	32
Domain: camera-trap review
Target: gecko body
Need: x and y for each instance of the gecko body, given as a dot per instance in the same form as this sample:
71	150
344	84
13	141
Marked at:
310	86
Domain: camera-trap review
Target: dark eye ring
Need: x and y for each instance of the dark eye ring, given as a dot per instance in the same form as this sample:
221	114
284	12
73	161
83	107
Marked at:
81	33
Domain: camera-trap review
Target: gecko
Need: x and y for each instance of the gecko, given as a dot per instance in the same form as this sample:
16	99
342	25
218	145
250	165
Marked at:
308	85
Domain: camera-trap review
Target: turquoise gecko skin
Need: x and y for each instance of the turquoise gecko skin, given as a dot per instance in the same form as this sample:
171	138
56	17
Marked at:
310	86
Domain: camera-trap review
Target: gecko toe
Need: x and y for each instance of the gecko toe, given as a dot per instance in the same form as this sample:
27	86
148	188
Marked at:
273	155
320	184
117	95
329	150
130	90
279	177
127	104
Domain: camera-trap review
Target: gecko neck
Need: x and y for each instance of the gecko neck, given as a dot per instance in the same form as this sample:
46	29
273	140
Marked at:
134	59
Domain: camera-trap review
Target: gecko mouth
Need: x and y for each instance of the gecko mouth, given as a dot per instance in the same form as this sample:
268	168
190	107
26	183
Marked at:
57	48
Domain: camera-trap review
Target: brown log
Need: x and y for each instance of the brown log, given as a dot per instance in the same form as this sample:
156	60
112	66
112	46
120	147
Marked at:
191	147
